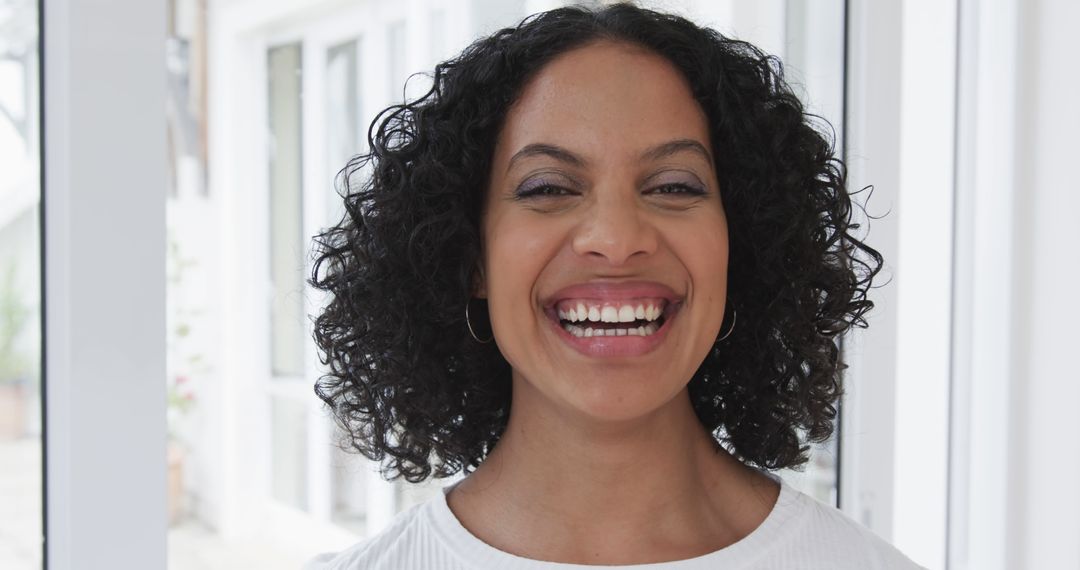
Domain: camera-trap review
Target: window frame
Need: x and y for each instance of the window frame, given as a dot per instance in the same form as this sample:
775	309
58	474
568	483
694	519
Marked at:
104	435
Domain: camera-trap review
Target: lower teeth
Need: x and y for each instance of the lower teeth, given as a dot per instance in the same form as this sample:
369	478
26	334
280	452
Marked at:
645	330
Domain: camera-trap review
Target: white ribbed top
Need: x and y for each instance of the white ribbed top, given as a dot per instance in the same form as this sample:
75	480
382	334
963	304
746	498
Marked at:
799	532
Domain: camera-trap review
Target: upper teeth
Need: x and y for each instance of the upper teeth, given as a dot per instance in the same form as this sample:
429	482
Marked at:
610	312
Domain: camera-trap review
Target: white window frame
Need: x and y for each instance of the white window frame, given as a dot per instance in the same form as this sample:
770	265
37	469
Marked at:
872	147
901	128
924	291
103	204
985	429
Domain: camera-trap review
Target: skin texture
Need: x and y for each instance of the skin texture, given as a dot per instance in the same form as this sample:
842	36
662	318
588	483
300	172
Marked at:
603	460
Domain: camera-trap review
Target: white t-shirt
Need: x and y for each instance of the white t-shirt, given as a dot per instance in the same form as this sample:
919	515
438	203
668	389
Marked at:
799	533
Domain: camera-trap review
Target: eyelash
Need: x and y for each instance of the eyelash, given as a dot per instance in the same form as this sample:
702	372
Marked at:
542	190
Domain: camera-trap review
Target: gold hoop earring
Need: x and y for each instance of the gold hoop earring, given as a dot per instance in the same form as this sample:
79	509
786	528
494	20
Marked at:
734	317
468	323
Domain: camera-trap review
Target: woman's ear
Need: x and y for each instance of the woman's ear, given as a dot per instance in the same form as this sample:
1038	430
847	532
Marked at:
479	283
479	275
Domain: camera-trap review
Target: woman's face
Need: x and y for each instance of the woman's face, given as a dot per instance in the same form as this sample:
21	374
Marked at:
605	238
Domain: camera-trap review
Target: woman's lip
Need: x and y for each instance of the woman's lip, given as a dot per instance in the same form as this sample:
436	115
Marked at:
616	346
611	290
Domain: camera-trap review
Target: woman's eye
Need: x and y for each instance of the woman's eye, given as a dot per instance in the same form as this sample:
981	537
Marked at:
552	191
675	189
542	191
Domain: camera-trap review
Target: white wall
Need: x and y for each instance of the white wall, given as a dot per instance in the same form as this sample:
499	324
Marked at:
1044	452
1015	455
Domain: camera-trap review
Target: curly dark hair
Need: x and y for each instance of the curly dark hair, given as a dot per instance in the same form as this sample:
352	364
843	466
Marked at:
406	380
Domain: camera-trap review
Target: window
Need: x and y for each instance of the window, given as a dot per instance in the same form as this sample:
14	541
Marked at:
20	290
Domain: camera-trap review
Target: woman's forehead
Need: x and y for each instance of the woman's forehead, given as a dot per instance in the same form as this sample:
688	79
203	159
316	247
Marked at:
603	98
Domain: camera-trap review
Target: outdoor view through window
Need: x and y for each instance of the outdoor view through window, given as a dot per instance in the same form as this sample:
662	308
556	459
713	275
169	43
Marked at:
20	289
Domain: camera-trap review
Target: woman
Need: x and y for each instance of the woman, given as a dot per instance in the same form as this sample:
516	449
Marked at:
600	267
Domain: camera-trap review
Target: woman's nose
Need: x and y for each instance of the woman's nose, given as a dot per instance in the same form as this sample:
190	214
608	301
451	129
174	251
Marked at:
615	229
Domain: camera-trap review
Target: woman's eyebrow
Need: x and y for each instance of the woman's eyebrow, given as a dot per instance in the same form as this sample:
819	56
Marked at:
669	148
662	150
543	149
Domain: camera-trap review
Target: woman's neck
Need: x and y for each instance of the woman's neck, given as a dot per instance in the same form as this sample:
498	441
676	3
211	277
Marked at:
563	488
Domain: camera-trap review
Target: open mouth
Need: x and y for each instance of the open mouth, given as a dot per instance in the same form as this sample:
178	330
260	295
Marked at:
586	318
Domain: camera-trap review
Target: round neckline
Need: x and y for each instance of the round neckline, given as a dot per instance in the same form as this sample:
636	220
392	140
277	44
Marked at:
477	553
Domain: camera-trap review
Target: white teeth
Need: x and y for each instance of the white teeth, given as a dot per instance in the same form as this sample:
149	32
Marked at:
613	313
589	332
609	314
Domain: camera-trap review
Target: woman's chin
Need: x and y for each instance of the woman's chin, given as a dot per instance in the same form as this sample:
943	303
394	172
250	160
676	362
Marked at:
612	398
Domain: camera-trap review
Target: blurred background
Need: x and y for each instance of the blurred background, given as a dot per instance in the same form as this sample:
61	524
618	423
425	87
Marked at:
261	104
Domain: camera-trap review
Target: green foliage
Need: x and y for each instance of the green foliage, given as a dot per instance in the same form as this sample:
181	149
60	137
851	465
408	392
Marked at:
185	367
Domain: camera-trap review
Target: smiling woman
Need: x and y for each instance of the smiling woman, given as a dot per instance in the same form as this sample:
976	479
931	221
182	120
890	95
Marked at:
640	214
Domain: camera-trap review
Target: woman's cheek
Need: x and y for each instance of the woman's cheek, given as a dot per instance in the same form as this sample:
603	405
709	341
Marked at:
512	270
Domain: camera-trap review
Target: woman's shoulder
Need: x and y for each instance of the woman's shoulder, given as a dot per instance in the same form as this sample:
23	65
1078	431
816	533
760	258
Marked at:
384	550
830	537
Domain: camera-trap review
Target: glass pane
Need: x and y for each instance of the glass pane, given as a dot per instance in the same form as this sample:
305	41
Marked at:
284	71
21	541
344	131
345	138
288	421
350	491
395	58
490	15
437	35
